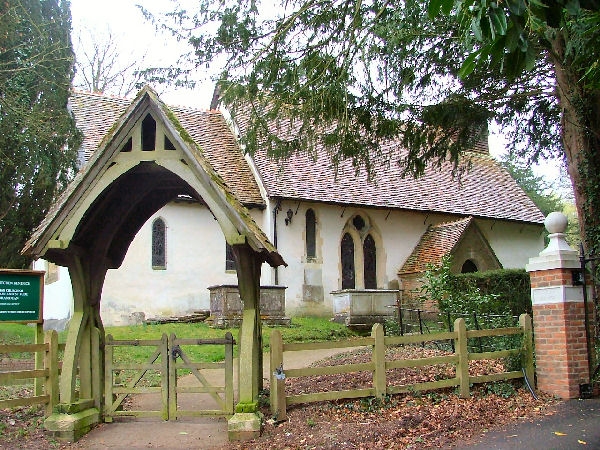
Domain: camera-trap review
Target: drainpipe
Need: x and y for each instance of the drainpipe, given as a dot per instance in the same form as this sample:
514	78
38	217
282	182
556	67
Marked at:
275	212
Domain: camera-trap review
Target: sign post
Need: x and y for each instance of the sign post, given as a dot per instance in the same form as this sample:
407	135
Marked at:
21	296
21	301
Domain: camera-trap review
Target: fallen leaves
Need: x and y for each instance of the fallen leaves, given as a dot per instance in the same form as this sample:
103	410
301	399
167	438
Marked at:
418	420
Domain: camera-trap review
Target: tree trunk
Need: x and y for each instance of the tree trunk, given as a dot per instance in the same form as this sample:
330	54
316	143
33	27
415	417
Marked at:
580	124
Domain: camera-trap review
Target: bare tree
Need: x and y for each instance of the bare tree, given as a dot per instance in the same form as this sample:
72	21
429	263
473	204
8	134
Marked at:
102	68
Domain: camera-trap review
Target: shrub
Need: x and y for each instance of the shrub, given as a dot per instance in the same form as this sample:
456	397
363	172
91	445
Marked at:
498	292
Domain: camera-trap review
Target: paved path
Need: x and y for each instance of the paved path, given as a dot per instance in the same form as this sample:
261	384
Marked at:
186	433
576	424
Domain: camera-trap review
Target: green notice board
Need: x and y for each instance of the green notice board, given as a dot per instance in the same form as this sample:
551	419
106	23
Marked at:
21	295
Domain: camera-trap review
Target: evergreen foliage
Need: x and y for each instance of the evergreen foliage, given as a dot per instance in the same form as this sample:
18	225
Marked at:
511	38
511	289
498	292
38	138
538	189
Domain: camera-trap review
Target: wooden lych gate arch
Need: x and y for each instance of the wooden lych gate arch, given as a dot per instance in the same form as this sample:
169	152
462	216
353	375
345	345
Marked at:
146	160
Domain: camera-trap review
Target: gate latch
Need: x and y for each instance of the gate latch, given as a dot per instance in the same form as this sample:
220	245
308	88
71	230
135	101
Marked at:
279	373
176	352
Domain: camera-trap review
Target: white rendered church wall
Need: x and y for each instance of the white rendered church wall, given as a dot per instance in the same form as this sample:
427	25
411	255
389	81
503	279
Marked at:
58	295
513	243
397	234
195	260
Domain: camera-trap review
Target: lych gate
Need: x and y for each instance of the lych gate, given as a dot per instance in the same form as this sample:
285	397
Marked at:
145	161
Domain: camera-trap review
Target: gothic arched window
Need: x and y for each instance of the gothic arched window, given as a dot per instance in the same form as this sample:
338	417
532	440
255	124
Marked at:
361	260
347	254
159	244
311	235
370	262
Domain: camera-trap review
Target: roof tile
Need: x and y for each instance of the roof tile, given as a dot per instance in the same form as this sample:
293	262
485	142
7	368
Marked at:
438	241
486	190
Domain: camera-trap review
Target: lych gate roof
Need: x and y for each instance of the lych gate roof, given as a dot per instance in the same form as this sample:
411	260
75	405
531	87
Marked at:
95	114
121	187
437	242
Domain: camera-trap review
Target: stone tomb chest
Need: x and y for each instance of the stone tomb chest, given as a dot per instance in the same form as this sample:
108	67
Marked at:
361	308
226	306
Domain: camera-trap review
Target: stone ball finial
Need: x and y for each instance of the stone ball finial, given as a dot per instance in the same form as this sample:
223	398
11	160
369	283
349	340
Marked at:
556	222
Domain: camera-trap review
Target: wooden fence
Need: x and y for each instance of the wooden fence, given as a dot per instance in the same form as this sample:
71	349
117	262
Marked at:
379	365
48	374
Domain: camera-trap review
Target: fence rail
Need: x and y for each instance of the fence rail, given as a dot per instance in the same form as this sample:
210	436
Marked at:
47	373
378	366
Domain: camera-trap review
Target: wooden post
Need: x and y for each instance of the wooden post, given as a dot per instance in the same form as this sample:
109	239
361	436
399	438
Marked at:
164	376
51	365
172	379
108	378
462	368
38	385
379	376
95	364
277	394
229	405
250	344
527	355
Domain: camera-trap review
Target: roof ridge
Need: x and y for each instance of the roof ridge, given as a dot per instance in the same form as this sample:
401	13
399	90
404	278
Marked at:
453	222
101	94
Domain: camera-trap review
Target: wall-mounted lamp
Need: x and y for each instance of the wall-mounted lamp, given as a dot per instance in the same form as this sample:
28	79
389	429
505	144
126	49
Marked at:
289	215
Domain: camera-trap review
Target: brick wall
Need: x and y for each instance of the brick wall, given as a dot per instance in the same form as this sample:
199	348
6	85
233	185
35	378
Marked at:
561	348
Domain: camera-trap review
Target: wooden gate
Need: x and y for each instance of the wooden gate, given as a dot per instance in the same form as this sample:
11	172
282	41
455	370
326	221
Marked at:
167	360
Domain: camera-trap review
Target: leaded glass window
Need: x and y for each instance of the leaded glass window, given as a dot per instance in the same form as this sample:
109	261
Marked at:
347	254
159	247
311	229
370	262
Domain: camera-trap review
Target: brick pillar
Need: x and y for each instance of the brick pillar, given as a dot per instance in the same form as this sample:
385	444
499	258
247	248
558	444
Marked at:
558	315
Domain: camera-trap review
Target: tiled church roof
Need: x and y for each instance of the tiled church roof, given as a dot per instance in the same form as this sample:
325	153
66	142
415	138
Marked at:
95	114
485	191
438	241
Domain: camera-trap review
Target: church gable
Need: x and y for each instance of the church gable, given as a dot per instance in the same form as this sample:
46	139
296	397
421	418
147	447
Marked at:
461	239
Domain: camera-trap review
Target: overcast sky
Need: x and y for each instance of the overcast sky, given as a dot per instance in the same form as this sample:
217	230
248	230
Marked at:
138	40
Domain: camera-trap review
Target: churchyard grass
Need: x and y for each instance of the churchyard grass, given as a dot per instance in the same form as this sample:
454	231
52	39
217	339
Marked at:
303	329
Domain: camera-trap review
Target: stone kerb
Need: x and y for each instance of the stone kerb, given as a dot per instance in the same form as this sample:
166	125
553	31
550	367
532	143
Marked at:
558	315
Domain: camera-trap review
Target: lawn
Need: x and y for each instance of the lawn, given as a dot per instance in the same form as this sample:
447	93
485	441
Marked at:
303	329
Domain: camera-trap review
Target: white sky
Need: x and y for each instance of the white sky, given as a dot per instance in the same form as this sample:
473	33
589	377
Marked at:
138	39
